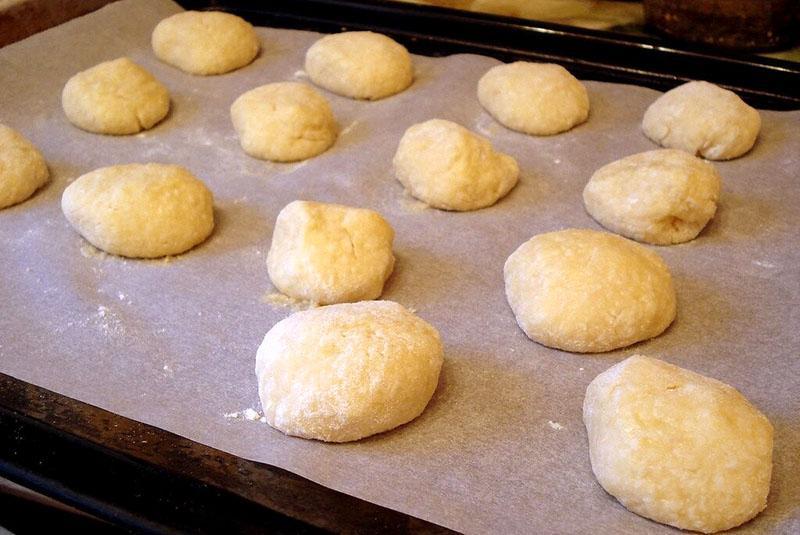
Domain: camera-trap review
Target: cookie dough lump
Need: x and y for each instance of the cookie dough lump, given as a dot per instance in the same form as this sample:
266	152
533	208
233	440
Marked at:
677	447
348	371
22	168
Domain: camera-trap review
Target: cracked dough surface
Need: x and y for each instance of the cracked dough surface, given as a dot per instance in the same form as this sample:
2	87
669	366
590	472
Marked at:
22	168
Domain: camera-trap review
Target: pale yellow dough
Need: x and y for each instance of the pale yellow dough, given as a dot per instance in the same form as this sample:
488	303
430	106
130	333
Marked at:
115	97
661	196
677	447
140	210
205	42
534	98
329	253
362	65
22	168
344	372
446	166
587	291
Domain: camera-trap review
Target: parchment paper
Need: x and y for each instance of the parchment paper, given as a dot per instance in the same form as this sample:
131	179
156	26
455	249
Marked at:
502	447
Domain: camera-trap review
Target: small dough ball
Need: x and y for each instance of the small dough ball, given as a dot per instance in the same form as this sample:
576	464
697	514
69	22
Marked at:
205	42
448	167
22	168
362	65
677	447
115	97
534	98
344	372
587	291
140	210
661	196
702	119
284	122
328	253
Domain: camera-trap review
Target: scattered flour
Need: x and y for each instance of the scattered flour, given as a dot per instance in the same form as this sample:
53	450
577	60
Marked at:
555	425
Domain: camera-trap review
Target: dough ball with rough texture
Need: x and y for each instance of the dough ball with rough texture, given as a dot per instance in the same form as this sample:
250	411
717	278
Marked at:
348	371
677	447
363	65
587	291
22	168
205	42
328	253
661	196
446	166
702	119
534	98
115	97
284	122
140	210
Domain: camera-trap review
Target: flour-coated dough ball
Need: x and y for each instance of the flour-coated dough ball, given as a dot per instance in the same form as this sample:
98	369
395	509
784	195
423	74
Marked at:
677	447
534	98
22	168
362	65
115	97
205	42
329	253
702	119
343	372
446	166
284	122
588	291
662	196
140	210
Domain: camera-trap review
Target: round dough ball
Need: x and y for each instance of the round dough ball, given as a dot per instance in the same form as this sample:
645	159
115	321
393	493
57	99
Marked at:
661	196
205	42
284	122
362	65
344	372
140	210
702	119
115	97
677	447
587	291
446	166
22	168
534	98
328	253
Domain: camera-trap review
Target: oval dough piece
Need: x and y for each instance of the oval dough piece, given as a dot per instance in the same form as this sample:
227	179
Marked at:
587	291
446	166
205	42
702	119
22	168
284	122
661	196
328	253
140	210
115	97
534	98
344	372
677	447
363	65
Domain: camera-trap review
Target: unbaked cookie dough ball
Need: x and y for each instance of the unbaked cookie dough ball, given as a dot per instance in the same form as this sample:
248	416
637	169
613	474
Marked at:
446	166
702	119
534	98
587	291
328	253
205	42
284	122
22	168
661	196
115	97
348	371
677	447
140	210
363	65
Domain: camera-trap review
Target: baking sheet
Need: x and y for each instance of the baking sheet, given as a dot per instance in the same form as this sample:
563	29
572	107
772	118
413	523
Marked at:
501	446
